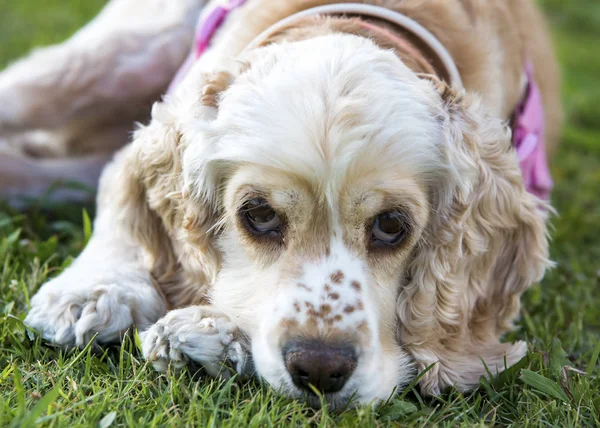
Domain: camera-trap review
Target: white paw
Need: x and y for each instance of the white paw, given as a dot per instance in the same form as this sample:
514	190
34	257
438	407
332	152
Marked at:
195	333
71	314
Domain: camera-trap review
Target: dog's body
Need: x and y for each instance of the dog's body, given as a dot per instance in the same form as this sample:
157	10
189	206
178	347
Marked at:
247	216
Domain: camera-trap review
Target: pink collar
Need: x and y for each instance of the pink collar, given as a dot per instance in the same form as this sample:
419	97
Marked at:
528	123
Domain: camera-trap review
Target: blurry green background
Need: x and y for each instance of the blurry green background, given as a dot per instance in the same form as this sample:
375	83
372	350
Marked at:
82	388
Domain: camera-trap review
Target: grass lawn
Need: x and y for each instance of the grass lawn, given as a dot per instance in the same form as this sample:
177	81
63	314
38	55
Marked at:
44	385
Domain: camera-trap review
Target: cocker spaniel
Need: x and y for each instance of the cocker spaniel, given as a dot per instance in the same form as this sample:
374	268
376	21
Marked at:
333	198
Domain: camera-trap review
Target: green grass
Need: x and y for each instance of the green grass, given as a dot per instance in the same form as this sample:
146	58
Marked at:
49	386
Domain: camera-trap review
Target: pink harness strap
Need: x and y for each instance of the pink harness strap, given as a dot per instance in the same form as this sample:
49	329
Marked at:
528	139
528	130
205	30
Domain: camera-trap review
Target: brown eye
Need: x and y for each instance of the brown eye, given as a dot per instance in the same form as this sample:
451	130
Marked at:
260	217
389	228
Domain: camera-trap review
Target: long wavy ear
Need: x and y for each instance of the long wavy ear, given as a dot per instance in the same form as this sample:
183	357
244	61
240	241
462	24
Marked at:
175	226
485	244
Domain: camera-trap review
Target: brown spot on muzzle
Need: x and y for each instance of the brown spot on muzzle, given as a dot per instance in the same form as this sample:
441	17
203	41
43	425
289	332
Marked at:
349	309
322	313
325	310
355	285
337	277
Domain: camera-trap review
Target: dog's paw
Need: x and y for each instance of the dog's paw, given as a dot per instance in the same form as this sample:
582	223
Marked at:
69	315
196	333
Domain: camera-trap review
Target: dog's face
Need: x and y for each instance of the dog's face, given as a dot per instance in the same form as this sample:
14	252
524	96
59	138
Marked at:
339	193
321	210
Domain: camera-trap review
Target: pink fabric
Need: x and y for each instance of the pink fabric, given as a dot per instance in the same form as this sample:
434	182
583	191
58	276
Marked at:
528	139
528	133
205	31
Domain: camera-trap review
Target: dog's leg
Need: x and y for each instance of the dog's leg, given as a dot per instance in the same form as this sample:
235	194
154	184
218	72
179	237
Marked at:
105	291
73	140
34	162
109	287
24	178
110	70
197	333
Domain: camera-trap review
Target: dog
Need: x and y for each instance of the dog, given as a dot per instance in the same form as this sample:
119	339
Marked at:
329	196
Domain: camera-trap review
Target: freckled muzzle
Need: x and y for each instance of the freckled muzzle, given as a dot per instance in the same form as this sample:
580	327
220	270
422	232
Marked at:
323	329
320	334
328	309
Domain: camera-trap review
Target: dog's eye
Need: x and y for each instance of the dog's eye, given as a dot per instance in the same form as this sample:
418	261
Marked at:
260	217
389	228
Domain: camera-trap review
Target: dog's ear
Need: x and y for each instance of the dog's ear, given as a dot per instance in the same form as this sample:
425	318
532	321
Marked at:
485	244
150	194
155	206
140	190
182	183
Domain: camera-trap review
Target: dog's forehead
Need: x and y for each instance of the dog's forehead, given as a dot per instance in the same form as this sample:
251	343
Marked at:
343	110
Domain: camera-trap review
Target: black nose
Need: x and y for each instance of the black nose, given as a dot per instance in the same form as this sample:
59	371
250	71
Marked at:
326	367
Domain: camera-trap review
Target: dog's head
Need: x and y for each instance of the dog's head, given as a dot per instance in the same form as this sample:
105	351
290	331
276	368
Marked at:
358	222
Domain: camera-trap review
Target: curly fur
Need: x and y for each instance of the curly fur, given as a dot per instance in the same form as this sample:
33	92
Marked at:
370	133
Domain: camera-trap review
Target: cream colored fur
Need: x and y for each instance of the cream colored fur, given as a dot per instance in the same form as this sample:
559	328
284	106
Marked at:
331	130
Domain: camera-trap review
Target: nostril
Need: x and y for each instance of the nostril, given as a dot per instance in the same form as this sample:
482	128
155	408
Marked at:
302	373
325	367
